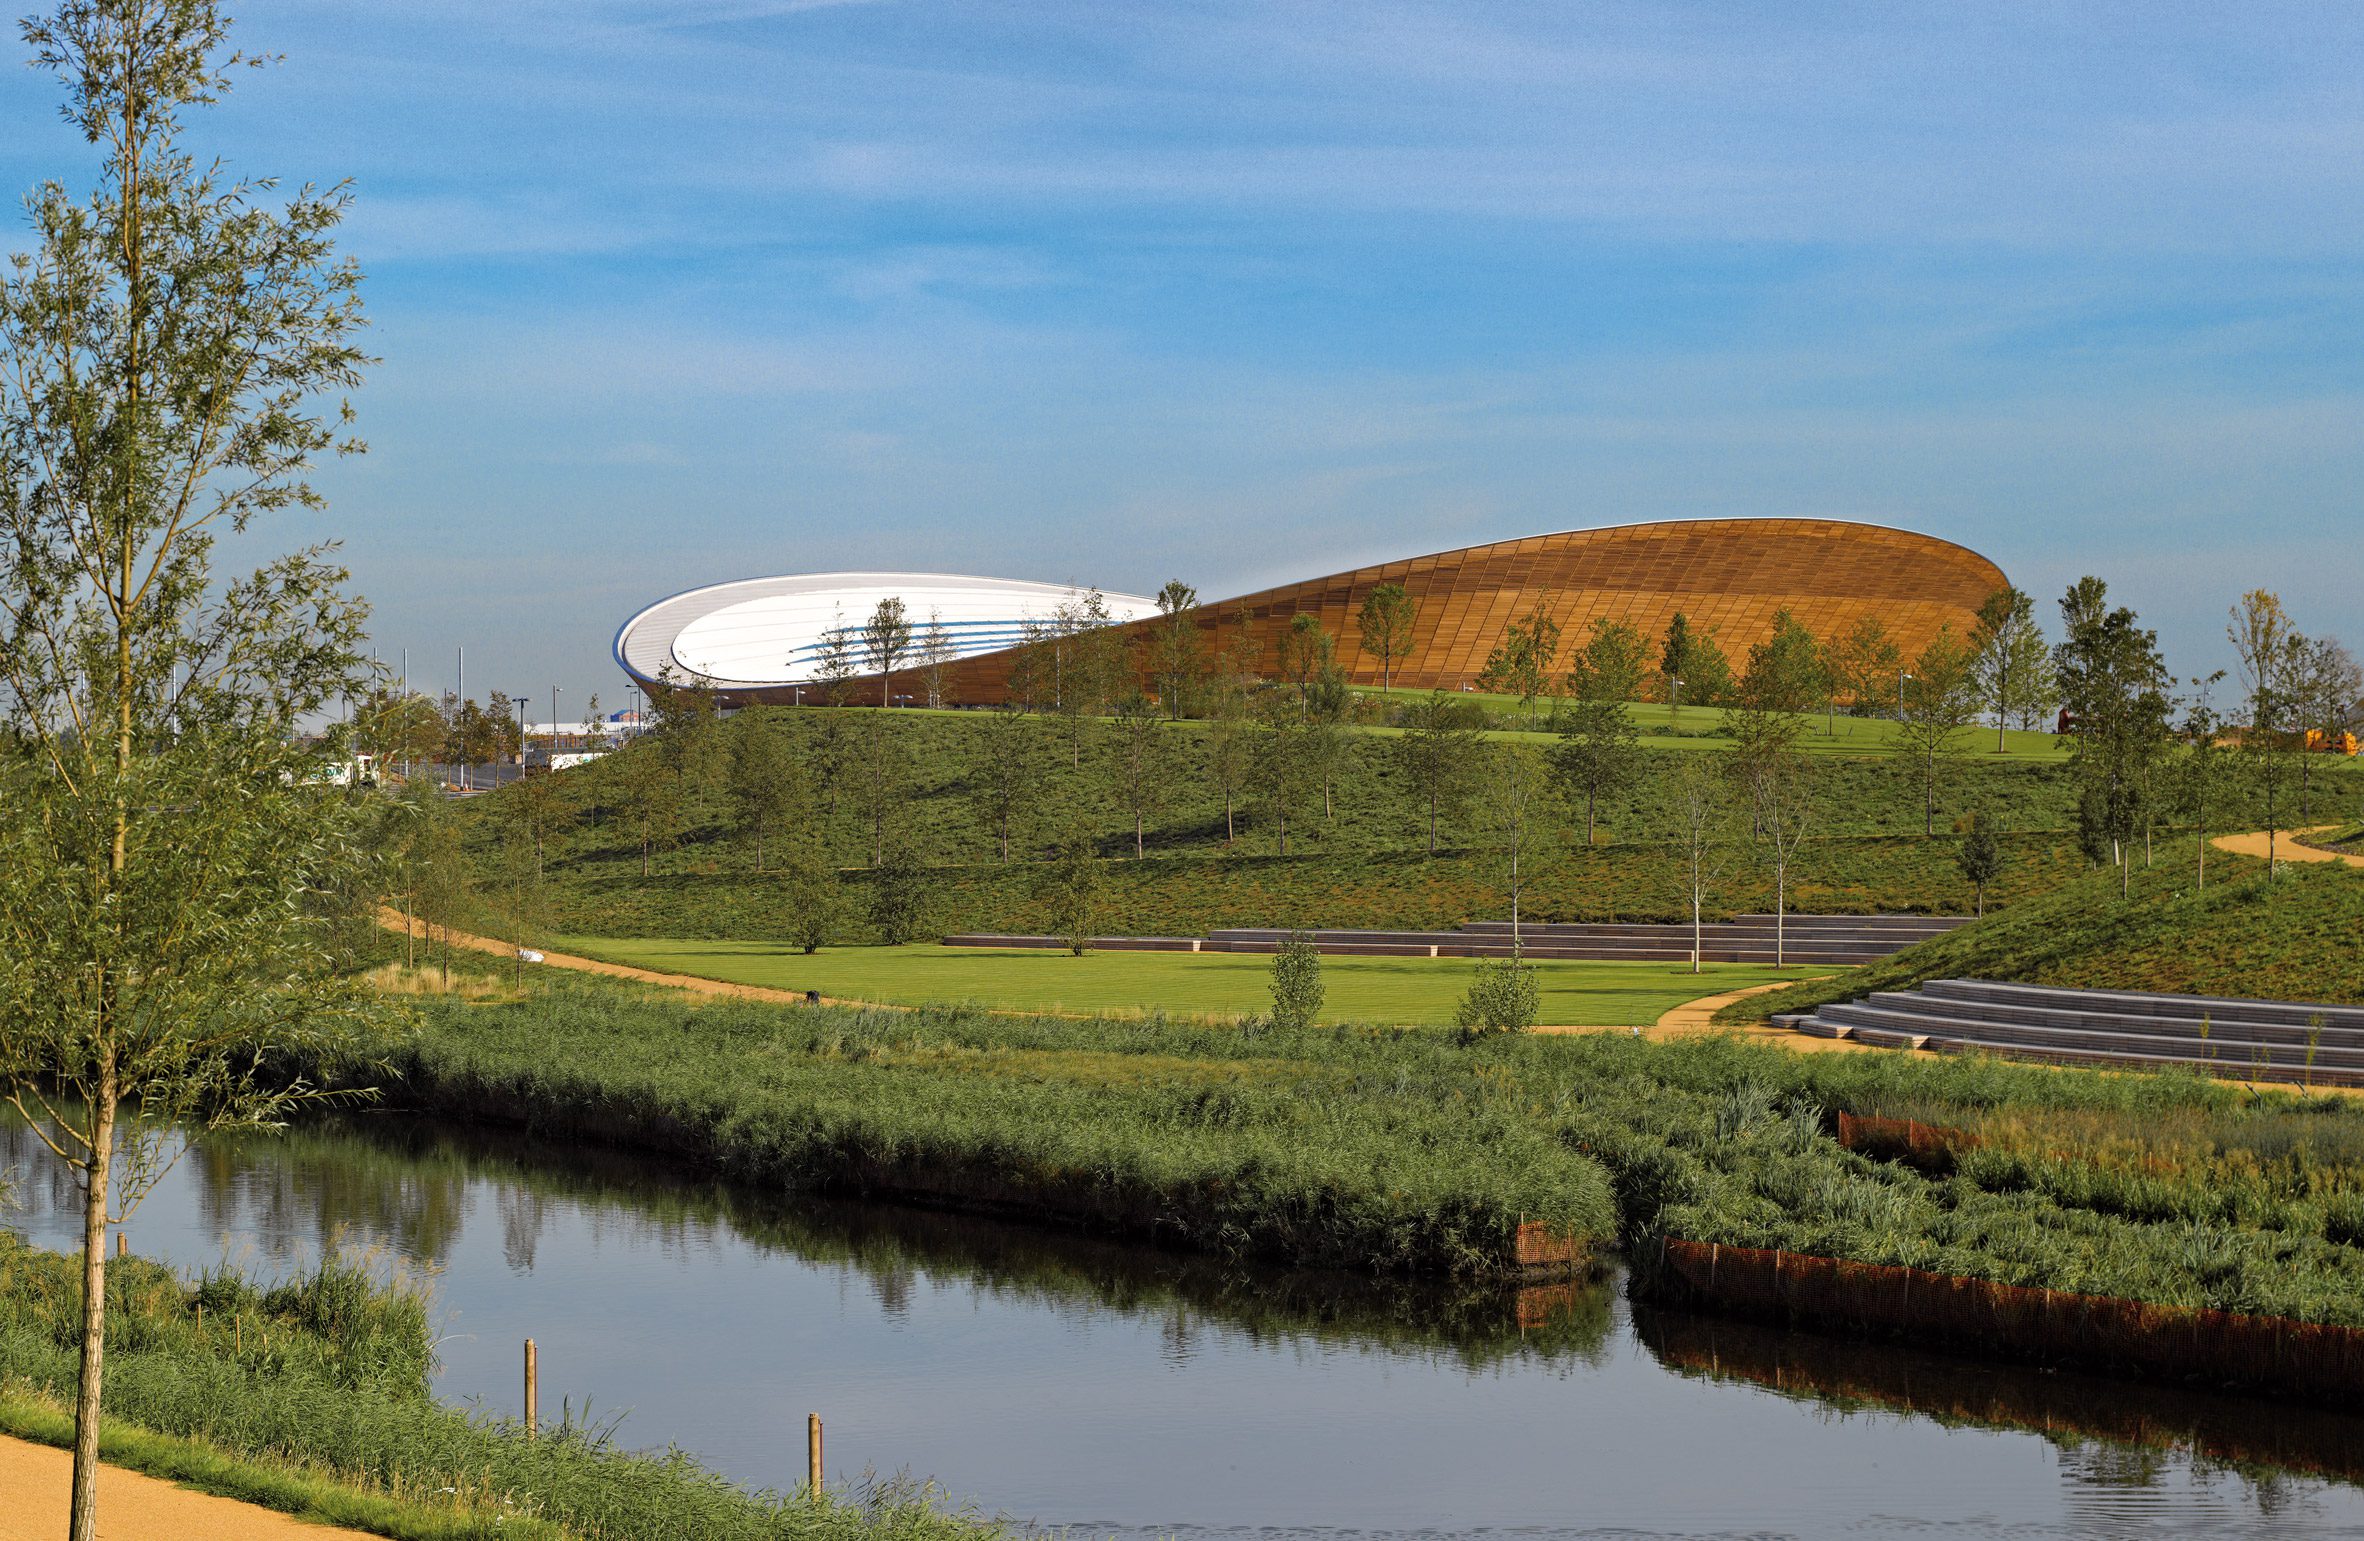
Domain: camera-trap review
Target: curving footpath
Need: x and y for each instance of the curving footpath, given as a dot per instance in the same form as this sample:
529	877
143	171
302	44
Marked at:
2285	846
396	921
36	1482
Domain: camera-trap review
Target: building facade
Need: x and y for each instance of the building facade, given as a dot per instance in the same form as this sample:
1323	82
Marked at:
755	641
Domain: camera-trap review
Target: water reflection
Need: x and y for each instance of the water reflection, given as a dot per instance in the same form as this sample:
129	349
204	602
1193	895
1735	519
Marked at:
1125	1391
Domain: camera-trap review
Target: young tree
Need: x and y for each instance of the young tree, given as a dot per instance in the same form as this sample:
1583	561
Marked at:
1177	649
1599	753
1384	627
2010	665
1981	857
899	895
2204	778
1939	702
1278	759
1523	662
768	786
1503	997
1611	665
886	639
1230	758
1865	664
2325	684
2114	685
836	667
1513	794
882	773
1296	983
1307	654
1766	717
1700	815
2271	653
1787	809
1437	753
812	899
1070	887
1140	764
535	806
936	653
1006	775
166	347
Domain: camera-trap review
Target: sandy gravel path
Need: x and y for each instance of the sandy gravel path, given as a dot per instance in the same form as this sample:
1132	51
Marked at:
35	1483
2285	848
393	920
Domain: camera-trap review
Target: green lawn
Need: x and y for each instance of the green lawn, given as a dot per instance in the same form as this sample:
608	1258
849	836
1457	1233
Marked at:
1412	991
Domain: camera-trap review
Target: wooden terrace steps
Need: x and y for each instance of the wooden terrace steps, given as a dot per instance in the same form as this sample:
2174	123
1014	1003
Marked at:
1806	939
2316	1043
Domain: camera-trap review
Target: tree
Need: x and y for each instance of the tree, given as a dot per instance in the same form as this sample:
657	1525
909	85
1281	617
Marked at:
1700	815
2271	653
1865	664
2010	664
1599	754
1140	764
1513	798
1939	702
811	898
536	805
1296	983
886	638
836	667
1611	664
2205	774
883	769
2114	686
165	349
1503	997
1071	888
1437	753
398	728
936	653
2325	684
1980	858
1766	717
1177	649
1307	653
899	895
1006	774
1230	758
1786	814
1523	662
1384	627
1278	760
768	785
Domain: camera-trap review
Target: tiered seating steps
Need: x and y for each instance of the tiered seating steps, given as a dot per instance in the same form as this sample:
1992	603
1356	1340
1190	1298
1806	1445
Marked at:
2311	1043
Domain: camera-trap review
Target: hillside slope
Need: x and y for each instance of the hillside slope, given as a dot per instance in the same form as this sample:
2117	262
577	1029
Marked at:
2293	939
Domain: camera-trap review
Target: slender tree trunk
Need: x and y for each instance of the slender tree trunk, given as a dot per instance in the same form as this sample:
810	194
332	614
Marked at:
1780	904
1138	852
1695	929
644	855
1432	823
1228	833
1929	799
1591	796
83	1525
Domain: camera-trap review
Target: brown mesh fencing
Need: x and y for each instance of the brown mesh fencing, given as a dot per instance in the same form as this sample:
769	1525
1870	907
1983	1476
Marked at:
2265	1353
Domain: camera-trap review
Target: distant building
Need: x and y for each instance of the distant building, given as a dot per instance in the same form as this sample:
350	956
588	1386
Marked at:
762	639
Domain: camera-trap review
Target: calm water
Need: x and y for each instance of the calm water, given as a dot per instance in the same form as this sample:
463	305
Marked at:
1131	1393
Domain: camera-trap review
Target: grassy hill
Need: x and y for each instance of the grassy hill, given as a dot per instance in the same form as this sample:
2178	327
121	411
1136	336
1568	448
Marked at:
1363	862
2292	939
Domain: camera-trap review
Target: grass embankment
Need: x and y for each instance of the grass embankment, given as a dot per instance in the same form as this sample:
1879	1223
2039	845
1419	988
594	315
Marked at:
2291	939
1419	992
311	1397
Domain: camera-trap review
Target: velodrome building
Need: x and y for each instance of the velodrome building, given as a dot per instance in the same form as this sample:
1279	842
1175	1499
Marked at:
762	639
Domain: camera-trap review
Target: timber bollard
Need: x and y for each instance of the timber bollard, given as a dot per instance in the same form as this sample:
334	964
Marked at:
122	1245
812	1452
533	1391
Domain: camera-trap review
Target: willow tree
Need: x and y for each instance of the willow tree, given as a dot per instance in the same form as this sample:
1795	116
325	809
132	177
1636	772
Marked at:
173	347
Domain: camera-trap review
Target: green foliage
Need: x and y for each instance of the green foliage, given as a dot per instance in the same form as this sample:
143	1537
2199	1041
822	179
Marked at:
812	901
899	893
1296	983
1980	857
1071	892
1384	625
1501	999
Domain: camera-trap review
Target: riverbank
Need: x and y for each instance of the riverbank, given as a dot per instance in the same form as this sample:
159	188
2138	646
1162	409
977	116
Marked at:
1402	1150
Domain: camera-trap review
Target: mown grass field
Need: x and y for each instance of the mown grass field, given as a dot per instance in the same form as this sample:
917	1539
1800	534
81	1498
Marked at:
1418	992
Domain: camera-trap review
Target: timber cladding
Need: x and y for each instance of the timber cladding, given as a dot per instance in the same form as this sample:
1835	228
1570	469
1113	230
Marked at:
1728	576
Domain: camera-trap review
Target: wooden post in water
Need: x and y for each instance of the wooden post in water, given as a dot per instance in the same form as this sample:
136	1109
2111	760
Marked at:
812	1452
533	1391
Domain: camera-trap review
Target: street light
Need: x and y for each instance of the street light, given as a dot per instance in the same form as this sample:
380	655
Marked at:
1901	677
520	737
554	719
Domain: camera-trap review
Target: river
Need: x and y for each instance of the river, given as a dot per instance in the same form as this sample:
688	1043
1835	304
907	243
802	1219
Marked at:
1124	1392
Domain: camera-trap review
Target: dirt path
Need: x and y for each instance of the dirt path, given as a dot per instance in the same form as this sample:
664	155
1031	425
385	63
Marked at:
36	1482
393	920
2285	847
1695	1017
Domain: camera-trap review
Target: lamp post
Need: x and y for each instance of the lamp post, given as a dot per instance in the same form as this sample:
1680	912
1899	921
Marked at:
521	696
1901	677
554	719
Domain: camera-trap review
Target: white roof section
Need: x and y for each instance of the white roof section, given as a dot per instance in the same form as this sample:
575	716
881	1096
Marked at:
771	631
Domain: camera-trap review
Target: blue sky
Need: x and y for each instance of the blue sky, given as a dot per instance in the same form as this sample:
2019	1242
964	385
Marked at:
675	292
